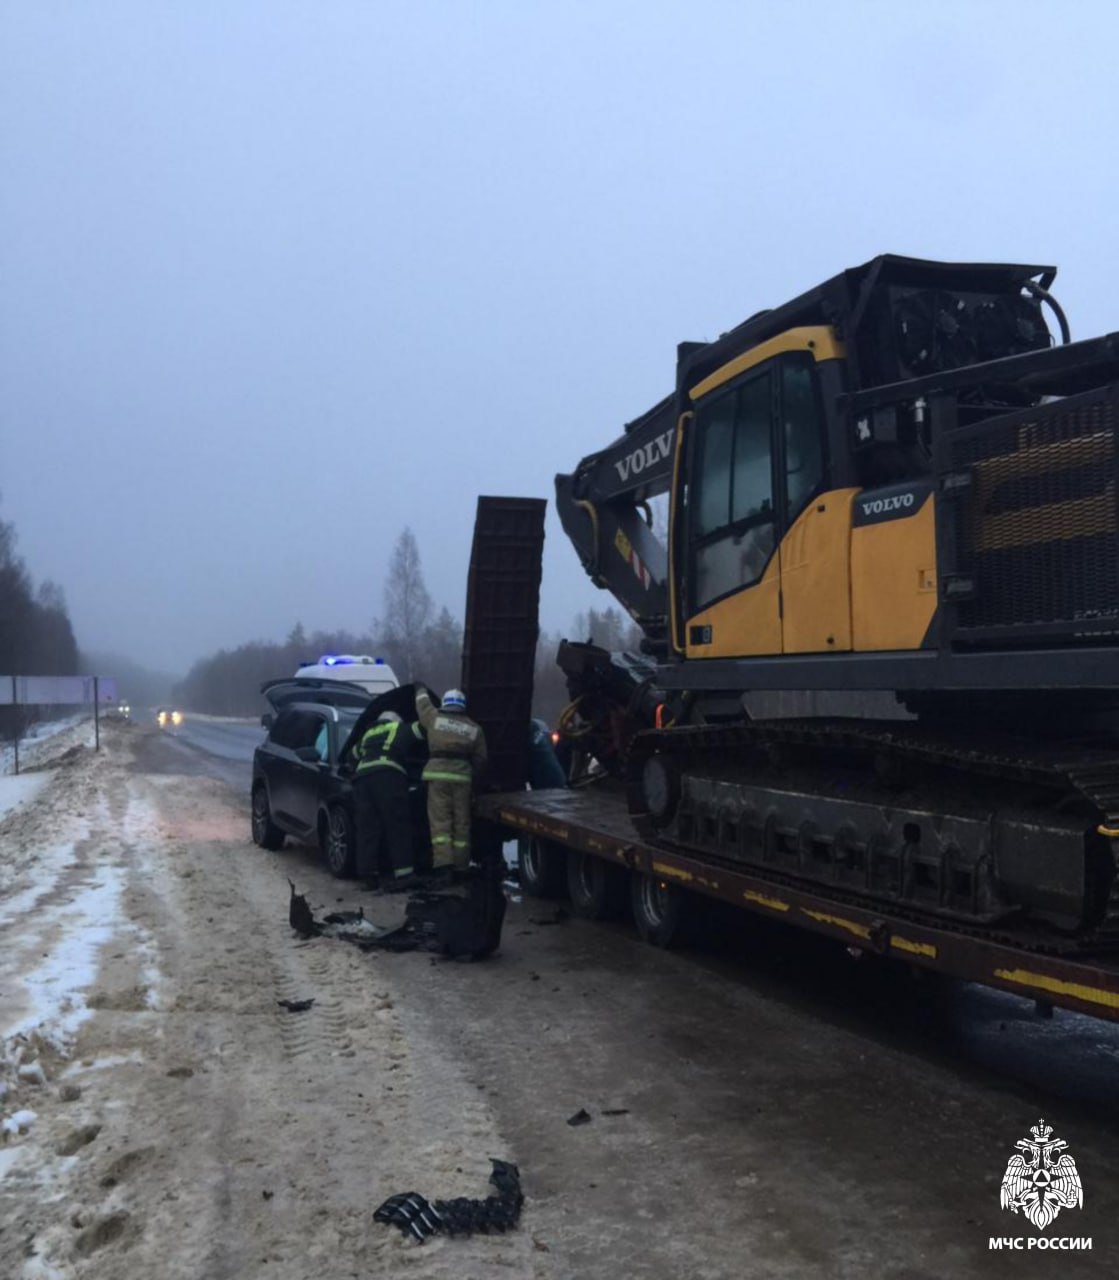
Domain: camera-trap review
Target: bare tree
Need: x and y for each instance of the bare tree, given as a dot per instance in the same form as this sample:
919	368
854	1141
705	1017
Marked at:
407	604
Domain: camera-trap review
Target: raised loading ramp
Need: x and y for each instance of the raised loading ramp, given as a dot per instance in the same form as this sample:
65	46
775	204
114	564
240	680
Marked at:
499	644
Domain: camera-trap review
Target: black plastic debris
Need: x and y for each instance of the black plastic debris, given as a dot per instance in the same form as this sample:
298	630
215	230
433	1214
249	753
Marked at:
616	1111
464	919
296	1006
301	917
418	1218
582	1116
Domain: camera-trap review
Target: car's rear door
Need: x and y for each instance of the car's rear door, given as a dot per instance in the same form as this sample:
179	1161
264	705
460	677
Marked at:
276	759
310	730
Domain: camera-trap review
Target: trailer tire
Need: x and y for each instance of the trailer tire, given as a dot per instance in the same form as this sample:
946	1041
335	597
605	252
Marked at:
595	888
660	910
542	867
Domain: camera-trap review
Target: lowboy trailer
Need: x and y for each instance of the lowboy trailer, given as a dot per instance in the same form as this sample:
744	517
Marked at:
582	841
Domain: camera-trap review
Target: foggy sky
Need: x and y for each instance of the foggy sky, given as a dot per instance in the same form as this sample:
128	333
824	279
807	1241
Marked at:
277	279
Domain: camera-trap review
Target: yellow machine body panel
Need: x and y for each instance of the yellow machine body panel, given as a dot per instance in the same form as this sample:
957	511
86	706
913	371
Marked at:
816	577
831	587
893	580
744	625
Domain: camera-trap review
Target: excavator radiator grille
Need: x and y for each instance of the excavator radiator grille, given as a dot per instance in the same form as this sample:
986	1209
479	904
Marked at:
1035	521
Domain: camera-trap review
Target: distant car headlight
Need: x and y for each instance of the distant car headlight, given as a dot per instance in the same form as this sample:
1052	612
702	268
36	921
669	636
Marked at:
162	717
176	717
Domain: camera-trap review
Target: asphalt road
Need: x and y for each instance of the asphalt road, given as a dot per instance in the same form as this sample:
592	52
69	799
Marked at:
216	748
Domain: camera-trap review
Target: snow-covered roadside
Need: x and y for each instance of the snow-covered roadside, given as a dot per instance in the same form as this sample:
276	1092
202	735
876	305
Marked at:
22	789
46	740
63	877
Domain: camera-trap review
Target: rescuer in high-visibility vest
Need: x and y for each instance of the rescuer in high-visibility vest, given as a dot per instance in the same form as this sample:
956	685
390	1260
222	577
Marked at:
456	757
384	815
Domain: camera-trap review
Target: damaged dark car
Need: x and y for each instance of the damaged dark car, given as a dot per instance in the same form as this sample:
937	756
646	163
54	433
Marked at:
302	771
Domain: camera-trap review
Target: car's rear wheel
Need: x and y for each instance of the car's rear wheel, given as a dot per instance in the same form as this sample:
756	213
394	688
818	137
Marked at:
339	849
265	832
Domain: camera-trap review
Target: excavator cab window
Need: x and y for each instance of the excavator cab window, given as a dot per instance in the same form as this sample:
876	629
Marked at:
803	432
758	459
733	533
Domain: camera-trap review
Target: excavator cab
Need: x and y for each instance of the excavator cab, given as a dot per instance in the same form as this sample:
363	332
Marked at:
760	549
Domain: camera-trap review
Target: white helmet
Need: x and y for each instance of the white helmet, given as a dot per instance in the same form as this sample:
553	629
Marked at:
454	700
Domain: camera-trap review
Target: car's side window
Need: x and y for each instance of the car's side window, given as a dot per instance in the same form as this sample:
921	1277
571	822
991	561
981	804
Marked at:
283	730
295	729
322	741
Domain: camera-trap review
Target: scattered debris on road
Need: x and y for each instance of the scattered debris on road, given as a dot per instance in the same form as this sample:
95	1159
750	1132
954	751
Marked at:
301	917
418	1218
582	1116
296	1006
462	921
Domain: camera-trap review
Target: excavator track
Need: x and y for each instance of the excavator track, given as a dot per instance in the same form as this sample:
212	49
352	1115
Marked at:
763	794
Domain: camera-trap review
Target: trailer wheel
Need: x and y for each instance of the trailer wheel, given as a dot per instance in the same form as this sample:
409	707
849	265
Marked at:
541	866
594	887
660	910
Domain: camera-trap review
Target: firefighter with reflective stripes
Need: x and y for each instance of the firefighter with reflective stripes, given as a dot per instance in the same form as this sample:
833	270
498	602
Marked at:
384	816
456	757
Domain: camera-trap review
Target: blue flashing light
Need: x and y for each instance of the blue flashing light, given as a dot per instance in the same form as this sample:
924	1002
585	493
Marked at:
380	660
330	661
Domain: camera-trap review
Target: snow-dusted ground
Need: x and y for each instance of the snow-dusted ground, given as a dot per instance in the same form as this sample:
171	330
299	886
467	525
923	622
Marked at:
20	789
47	739
160	1115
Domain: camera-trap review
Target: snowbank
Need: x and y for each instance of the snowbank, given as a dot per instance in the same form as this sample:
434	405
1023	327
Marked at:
22	789
46	739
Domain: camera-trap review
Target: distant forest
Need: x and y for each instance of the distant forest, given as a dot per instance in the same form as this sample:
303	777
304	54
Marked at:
417	639
36	638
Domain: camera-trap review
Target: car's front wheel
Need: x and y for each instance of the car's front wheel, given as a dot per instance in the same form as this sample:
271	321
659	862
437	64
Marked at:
339	846
265	832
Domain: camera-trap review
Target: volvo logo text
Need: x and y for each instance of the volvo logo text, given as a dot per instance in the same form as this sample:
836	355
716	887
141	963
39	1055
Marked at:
642	459
879	506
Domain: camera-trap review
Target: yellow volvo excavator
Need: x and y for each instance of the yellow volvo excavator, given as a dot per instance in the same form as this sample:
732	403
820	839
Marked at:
899	481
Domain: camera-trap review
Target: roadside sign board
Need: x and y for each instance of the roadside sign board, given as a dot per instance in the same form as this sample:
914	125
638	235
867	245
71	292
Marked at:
44	691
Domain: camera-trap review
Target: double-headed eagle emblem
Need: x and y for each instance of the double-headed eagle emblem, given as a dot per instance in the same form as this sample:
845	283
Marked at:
1038	1181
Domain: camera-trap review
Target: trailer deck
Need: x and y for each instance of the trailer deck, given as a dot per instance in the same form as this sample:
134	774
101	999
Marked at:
594	820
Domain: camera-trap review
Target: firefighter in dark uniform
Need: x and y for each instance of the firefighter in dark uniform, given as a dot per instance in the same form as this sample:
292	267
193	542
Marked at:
456	756
384	817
